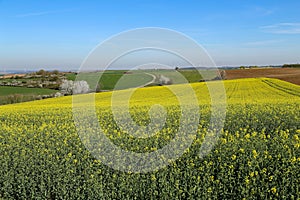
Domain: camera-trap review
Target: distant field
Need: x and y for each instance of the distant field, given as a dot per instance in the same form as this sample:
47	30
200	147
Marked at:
7	90
291	75
110	78
9	95
127	79
179	76
6	76
18	79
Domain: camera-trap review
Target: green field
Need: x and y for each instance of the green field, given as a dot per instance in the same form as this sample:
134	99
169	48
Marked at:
7	90
110	78
134	78
257	155
10	95
182	75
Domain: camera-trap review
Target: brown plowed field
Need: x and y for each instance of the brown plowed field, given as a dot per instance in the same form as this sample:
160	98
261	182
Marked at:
12	75
291	75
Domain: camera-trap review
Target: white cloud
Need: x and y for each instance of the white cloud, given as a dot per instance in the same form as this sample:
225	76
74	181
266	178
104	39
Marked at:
282	28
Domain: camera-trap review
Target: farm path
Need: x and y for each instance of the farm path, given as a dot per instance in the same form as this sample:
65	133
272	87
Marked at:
150	82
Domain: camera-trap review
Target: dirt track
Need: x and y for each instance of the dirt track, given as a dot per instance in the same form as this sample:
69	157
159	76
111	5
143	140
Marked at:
291	75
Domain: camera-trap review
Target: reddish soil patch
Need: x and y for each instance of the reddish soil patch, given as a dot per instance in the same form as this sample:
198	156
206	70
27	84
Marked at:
291	75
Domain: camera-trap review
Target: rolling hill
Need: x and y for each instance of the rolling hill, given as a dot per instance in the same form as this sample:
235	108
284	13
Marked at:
44	153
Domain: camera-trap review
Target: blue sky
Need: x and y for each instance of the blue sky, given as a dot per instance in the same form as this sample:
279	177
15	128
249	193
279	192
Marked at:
60	34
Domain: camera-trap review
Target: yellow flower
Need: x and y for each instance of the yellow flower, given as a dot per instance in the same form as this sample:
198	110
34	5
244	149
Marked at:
263	136
223	140
266	152
273	190
247	181
247	136
249	163
255	154
153	178
96	161
233	157
294	159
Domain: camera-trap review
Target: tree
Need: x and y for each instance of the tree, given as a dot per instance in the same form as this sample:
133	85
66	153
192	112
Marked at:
41	72
81	87
69	87
56	72
223	74
163	80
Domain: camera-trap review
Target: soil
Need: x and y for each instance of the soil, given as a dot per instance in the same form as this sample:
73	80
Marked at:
291	75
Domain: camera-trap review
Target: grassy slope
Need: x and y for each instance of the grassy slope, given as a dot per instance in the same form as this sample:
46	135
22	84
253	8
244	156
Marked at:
9	95
7	90
110	78
180	76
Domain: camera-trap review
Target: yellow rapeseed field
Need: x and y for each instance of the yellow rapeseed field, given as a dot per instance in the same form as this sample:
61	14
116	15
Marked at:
256	157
